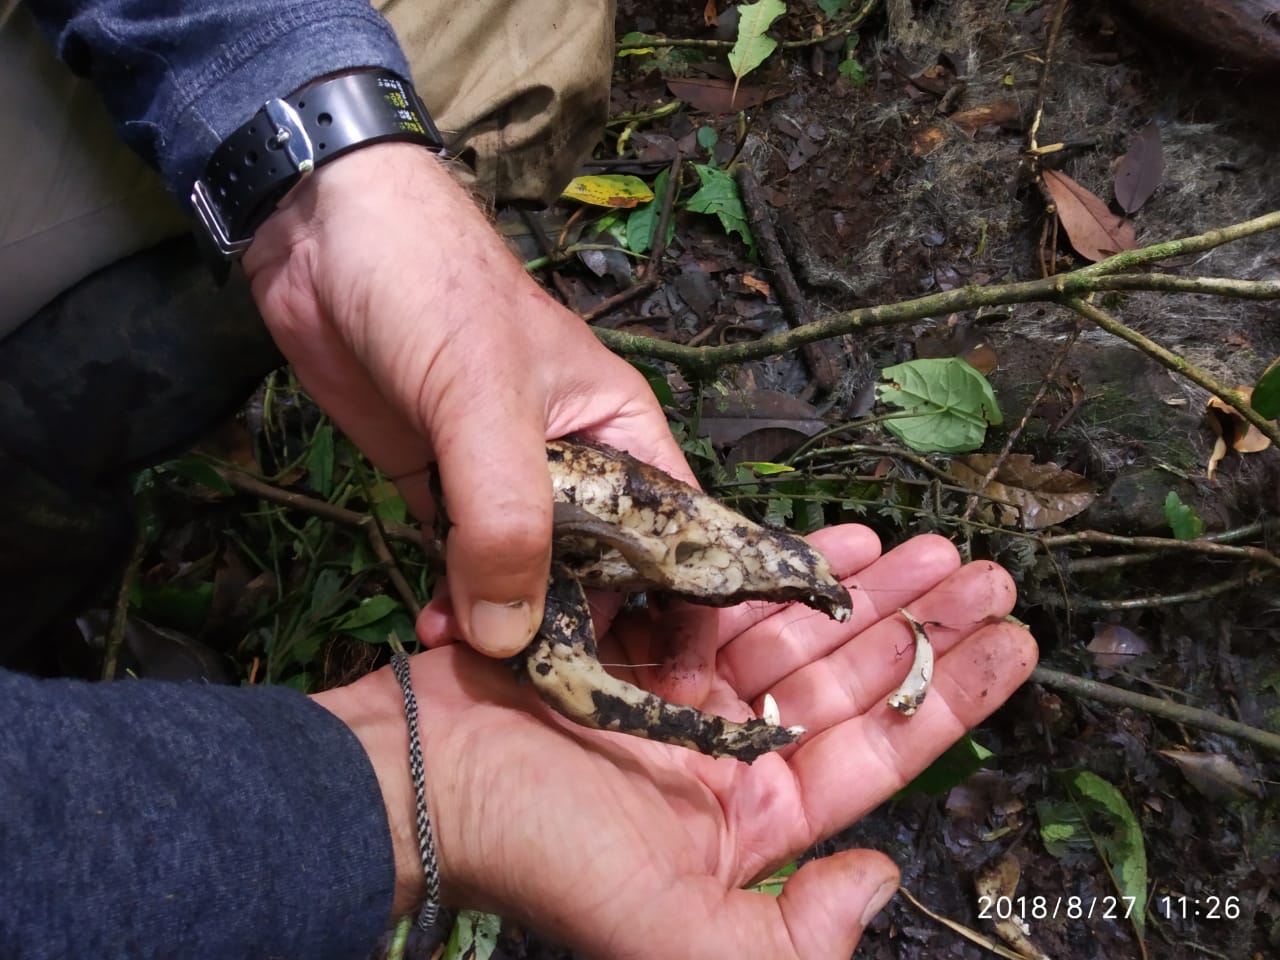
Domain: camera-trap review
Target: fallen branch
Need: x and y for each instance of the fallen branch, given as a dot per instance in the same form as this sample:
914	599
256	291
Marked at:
327	511
703	362
846	28
1170	360
1178	713
1205	546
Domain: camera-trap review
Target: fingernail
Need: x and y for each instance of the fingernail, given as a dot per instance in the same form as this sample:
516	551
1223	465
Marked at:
501	629
878	900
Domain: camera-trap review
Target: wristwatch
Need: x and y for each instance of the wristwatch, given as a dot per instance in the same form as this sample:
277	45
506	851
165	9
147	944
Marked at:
253	169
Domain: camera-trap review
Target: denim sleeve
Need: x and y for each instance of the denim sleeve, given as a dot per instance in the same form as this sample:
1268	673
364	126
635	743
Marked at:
144	819
180	75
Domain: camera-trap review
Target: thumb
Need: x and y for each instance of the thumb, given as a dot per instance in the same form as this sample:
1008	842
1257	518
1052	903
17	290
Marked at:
497	493
828	903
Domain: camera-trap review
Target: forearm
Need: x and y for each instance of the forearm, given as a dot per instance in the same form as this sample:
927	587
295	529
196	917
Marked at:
180	78
144	818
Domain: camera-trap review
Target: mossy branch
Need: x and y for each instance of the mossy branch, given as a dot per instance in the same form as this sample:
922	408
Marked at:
845	28
1179	713
1109	274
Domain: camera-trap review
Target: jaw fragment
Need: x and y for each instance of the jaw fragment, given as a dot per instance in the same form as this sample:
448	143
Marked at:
621	524
908	697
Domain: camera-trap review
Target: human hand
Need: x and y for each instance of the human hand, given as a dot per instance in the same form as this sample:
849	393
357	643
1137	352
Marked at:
408	320
626	849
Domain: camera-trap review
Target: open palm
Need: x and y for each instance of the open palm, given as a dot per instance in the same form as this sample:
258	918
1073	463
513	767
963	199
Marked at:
624	848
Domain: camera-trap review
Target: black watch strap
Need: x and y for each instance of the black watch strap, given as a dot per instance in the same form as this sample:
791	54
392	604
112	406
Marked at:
253	169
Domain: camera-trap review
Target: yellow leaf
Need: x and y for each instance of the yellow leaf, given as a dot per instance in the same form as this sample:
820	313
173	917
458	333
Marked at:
608	190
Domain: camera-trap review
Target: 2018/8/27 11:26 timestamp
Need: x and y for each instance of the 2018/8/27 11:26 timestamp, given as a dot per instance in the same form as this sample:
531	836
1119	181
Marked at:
1208	907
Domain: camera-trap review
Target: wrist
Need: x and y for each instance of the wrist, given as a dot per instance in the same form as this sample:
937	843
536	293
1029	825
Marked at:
373	709
277	149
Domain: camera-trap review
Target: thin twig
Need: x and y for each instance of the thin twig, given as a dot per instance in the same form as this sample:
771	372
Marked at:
664	217
843	30
120	609
1158	601
609	304
702	362
972	502
1167	544
1042	86
1179	713
795	305
389	564
327	511
1247	532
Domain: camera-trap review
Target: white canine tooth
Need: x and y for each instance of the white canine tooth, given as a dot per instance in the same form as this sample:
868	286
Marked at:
797	731
769	712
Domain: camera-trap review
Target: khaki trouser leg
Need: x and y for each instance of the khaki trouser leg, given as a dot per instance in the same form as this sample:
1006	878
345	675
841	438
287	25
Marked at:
73	198
521	89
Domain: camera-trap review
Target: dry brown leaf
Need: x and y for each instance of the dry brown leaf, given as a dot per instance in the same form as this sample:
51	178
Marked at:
996	113
1214	775
755	284
709	15
1140	170
1245	437
713	95
1038	494
1095	231
1115	647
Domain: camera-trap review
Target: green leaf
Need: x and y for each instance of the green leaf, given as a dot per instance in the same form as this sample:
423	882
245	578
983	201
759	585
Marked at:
766	469
1122	846
320	459
371	610
657	383
198	471
719	196
612	190
773	885
779	511
474	936
753	46
397	622
708	138
960	761
325	591
1183	520
834	8
643	222
952	404
182	607
1266	395
1062	828
853	71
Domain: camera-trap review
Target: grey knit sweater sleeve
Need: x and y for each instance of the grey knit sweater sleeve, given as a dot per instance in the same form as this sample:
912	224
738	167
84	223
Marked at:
145	819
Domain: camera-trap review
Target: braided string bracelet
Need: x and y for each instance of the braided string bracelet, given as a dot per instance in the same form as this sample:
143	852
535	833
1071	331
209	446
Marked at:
426	841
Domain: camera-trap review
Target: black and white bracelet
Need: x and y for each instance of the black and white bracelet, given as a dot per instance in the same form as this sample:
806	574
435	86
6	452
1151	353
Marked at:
426	840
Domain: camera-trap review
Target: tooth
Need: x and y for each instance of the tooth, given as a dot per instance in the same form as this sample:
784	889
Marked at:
769	712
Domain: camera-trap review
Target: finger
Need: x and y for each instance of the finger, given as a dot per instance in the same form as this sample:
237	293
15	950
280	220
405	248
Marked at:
645	435
493	473
847	548
437	625
794	636
860	674
617	407
827	903
820	914
970	682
